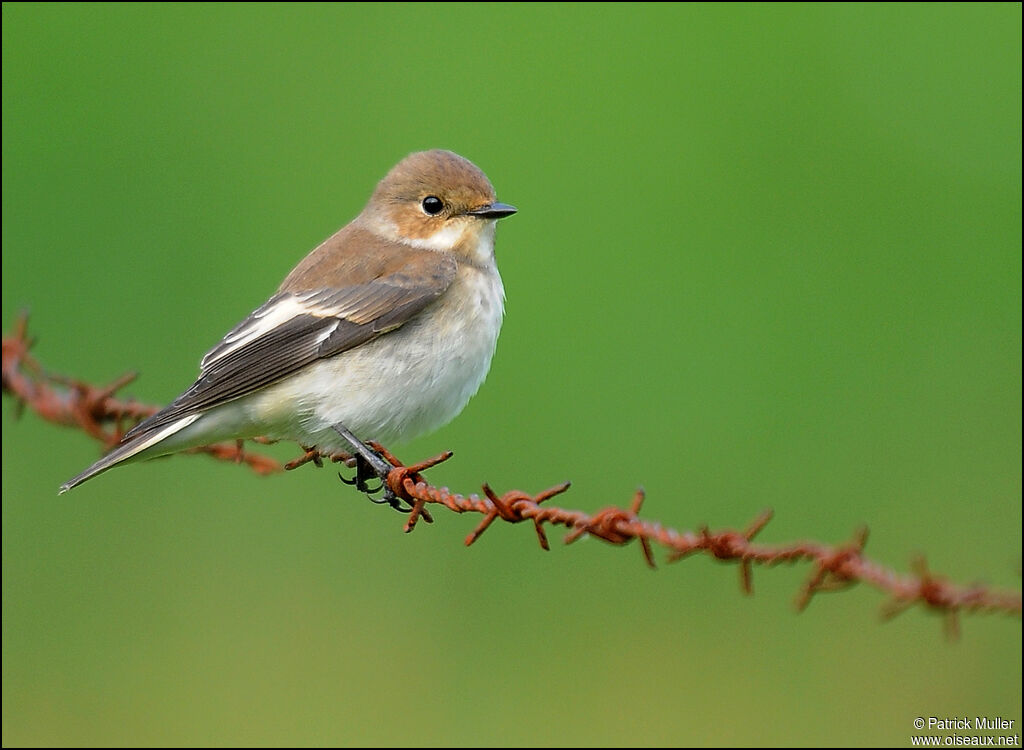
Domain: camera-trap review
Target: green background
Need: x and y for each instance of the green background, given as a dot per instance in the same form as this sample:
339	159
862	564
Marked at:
765	256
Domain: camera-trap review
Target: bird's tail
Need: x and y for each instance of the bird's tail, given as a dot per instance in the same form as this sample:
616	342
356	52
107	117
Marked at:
130	447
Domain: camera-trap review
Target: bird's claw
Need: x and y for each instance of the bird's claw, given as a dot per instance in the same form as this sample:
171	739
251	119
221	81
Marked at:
390	498
369	465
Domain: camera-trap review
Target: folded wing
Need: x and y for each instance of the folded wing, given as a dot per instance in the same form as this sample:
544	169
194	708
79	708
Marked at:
294	329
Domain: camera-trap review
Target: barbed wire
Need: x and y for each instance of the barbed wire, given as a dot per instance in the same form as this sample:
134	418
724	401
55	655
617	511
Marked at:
97	411
93	409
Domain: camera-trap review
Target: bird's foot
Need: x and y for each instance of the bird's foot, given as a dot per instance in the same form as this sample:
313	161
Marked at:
370	464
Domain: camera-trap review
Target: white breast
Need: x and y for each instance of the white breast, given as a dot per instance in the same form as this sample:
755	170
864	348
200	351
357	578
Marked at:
407	382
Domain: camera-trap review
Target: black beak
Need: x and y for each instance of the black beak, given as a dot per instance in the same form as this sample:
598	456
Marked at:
493	211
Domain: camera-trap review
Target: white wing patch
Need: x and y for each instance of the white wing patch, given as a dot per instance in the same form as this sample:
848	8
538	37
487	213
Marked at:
156	437
126	450
275	313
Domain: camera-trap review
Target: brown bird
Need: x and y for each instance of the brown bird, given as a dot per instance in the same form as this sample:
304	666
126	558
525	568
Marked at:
383	332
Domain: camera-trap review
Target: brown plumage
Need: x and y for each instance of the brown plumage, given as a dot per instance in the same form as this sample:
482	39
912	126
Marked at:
415	269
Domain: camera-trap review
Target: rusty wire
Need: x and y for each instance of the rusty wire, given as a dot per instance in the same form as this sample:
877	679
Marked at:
95	410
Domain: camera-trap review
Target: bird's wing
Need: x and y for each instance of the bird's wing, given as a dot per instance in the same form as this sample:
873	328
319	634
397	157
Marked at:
295	328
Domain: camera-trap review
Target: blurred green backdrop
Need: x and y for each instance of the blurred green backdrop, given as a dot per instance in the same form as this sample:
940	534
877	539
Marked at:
765	256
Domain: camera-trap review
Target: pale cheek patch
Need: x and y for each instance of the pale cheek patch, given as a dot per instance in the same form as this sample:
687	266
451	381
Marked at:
443	239
449	237
418	234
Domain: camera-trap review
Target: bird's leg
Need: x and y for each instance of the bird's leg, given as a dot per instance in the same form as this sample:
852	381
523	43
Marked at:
376	464
369	463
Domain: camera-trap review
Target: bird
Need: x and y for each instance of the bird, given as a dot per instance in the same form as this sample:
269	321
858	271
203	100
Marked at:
381	333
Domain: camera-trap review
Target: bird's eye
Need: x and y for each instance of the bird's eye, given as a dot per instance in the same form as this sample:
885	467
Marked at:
432	205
